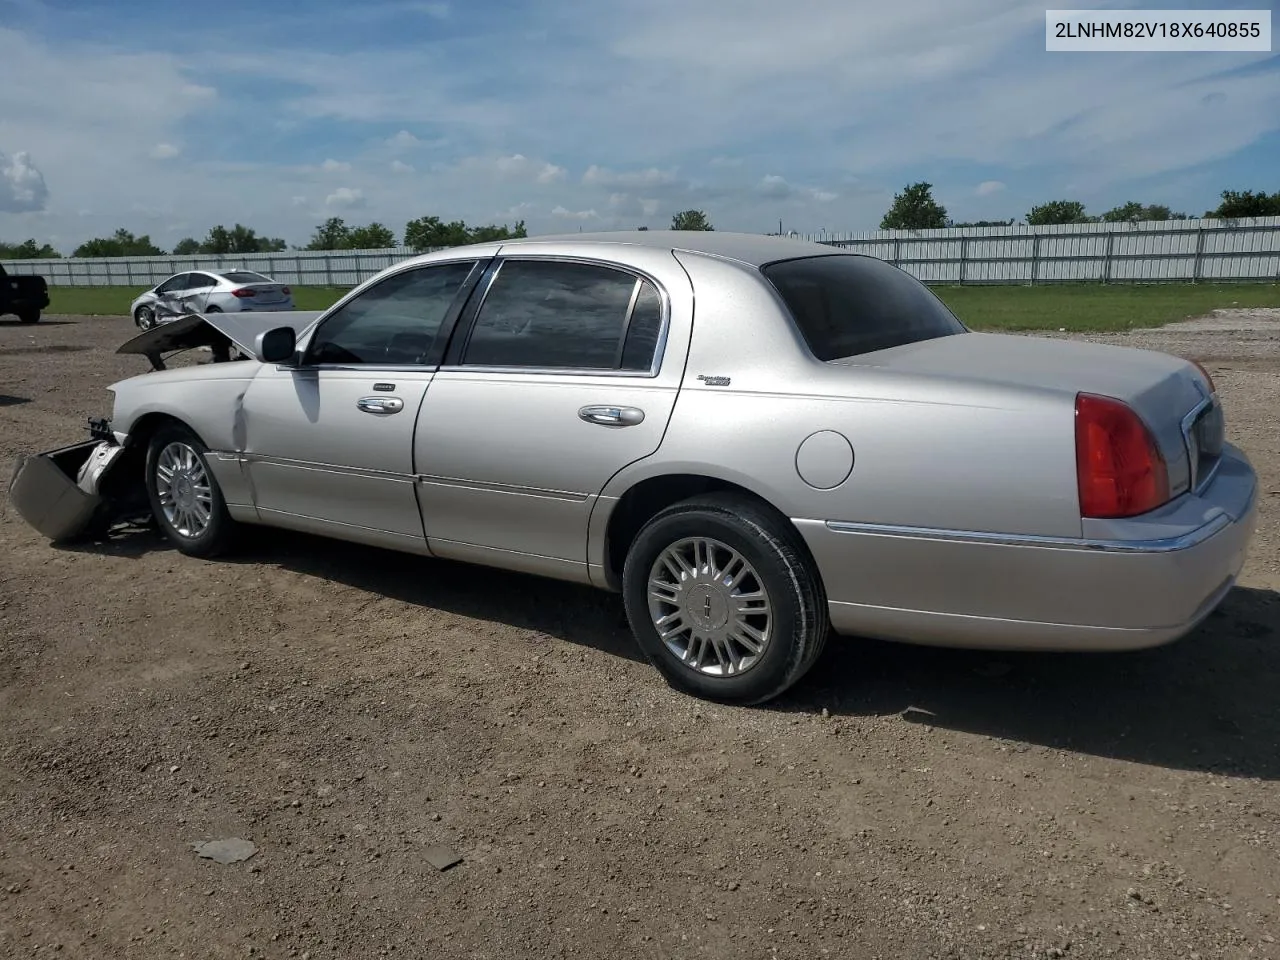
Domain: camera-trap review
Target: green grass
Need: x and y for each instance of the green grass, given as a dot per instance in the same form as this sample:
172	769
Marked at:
1095	307
1075	307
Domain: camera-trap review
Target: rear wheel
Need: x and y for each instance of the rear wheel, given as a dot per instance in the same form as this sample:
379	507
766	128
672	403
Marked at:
723	599
144	317
185	498
28	316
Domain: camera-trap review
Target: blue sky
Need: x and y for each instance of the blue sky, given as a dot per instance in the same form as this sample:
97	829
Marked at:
169	117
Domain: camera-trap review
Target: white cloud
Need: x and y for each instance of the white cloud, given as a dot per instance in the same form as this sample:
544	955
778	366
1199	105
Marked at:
348	198
22	186
165	151
298	201
438	11
989	188
404	140
561	213
517	167
786	114
609	179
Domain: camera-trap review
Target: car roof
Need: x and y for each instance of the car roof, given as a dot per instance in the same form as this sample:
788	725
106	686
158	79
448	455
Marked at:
749	248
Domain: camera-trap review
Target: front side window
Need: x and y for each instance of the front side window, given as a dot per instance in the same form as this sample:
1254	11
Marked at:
396	321
558	315
846	304
173	284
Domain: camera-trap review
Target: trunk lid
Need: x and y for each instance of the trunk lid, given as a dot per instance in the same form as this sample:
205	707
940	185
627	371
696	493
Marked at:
1169	393
265	292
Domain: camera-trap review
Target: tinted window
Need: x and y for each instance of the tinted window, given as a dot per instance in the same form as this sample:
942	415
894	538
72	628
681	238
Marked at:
199	281
846	305
395	321
550	314
642	332
246	276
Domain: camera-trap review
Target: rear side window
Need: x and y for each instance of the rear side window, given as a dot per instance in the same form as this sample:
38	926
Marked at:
847	305
557	315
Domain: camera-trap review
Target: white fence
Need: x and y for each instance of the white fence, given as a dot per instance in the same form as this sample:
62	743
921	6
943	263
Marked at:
1170	250
1175	250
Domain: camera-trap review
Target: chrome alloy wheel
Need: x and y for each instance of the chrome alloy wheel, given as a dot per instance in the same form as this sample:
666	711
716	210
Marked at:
710	607
183	489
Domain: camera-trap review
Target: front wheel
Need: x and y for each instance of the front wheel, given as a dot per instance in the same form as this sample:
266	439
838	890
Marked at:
29	316
724	600
144	318
185	498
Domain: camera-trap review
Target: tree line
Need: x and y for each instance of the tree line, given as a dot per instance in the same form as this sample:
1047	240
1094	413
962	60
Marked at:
424	233
916	209
913	209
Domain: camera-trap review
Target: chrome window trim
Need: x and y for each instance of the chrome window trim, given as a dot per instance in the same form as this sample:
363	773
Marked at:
659	350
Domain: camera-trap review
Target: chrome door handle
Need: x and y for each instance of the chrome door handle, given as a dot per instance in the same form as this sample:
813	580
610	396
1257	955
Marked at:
612	416
380	405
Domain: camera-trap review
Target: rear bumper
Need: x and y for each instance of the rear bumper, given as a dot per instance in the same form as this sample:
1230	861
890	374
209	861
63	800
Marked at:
1152	581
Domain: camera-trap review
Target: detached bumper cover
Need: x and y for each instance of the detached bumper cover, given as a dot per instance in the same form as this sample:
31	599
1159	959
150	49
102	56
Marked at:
57	492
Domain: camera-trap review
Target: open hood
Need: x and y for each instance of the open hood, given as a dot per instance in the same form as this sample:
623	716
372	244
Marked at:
219	331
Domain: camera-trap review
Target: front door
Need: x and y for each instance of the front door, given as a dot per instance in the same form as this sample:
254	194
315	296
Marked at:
558	382
329	442
168	296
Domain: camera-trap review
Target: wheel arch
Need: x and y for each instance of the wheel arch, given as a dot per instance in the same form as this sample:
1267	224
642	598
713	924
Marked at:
619	517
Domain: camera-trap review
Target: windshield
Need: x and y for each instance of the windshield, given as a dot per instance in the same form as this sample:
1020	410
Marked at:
246	276
847	304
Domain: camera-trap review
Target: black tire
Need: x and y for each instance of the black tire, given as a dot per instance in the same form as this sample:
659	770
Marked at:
29	316
213	309
220	532
144	318
799	623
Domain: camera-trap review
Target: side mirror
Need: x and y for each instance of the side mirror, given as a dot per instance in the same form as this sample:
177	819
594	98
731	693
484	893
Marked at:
275	346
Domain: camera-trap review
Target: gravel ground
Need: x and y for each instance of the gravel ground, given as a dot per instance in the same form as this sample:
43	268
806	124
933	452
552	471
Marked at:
348	709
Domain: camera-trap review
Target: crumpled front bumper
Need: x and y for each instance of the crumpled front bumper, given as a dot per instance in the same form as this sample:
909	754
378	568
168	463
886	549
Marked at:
60	492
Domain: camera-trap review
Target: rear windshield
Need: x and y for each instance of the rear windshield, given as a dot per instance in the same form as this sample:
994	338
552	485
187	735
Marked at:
847	304
244	276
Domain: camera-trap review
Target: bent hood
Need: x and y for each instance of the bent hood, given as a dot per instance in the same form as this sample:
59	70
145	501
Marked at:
212	329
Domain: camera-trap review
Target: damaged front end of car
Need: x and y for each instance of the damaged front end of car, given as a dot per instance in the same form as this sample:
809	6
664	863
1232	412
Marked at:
79	490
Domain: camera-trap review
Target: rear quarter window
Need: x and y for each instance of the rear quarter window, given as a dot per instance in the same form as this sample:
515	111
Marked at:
845	304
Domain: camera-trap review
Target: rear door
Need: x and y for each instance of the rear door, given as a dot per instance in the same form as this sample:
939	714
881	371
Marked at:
556	379
196	294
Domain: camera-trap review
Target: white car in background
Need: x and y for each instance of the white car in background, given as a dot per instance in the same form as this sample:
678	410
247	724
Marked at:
208	291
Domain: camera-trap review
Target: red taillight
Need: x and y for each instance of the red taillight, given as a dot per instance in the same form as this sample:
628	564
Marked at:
1119	470
1205	373
242	293
285	291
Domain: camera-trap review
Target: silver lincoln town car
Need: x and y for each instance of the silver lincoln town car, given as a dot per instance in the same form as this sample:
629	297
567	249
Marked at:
755	440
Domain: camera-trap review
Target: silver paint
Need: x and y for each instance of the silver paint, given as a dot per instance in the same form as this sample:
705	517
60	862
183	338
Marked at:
965	473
